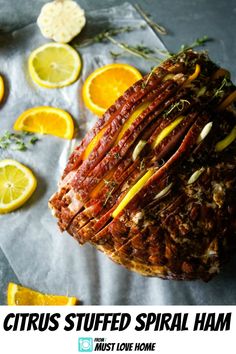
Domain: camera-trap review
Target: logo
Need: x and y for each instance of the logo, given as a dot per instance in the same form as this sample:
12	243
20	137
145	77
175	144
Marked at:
85	345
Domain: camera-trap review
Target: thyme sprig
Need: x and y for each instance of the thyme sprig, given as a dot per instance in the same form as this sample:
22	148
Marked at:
102	36
179	105
111	185
225	83
154	25
139	50
199	42
17	141
144	84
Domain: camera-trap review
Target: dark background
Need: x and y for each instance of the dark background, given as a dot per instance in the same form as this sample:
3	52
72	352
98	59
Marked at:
185	20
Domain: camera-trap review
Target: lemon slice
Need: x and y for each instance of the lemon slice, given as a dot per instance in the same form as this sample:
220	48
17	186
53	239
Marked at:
102	88
54	65
19	295
17	184
132	192
46	120
2	90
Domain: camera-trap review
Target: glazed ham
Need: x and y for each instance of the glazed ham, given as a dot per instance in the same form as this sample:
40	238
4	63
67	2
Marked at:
152	185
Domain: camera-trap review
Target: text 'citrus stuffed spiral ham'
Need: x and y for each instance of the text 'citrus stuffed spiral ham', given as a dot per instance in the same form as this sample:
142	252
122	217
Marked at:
152	185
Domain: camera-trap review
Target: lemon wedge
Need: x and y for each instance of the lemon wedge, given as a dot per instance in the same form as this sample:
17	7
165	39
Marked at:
17	184
19	295
46	120
54	65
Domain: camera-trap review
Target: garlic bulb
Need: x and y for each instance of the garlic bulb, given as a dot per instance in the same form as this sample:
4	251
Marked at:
61	20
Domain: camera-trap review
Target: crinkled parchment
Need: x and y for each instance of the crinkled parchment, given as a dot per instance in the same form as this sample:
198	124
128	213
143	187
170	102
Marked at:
39	254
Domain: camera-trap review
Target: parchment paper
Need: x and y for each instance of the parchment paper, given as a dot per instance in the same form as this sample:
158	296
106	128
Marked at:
39	254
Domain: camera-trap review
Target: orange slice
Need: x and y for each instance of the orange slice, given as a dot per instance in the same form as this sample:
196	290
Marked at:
19	295
2	90
93	143
195	74
132	119
106	84
46	120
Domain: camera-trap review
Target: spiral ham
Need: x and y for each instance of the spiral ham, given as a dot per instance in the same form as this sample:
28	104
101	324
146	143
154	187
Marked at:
155	191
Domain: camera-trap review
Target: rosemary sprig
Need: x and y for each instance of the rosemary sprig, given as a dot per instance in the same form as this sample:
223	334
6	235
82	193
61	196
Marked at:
17	141
155	26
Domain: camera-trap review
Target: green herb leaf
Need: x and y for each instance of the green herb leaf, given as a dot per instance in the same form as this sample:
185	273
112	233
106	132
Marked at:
17	141
115	55
7	135
20	145
33	140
